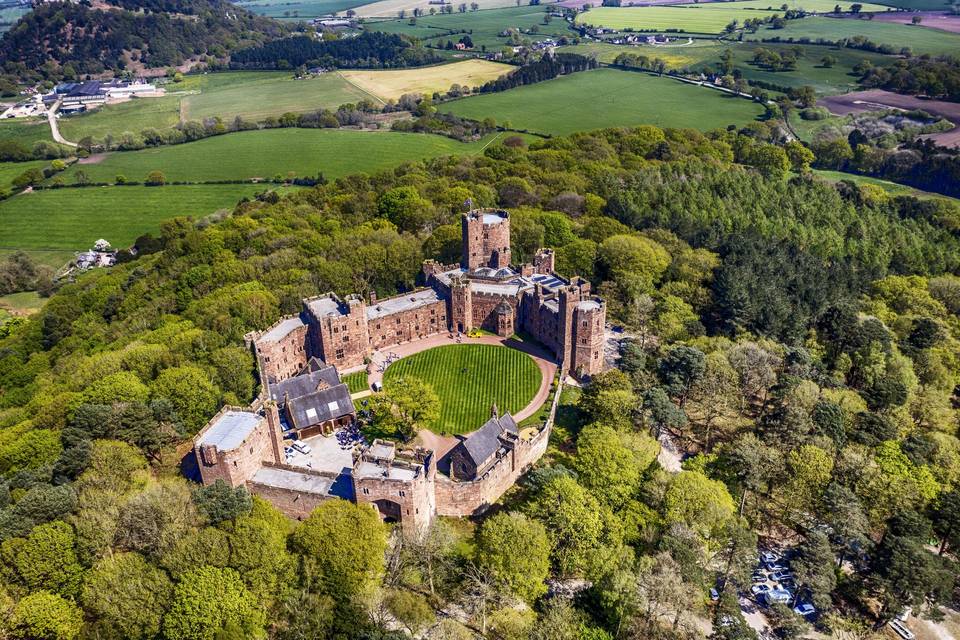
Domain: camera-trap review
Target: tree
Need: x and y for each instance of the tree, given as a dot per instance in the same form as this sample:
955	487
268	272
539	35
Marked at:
404	207
129	594
516	552
700	503
218	502
46	616
680	369
28	178
611	464
411	609
809	471
814	568
633	258
189	390
153	521
155	179
662	595
945	515
405	407
800	157
828	61
207	601
342	546
574	522
609	398
46	559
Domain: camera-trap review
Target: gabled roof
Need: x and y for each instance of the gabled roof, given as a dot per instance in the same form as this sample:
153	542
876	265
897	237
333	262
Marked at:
320	375
483	443
320	406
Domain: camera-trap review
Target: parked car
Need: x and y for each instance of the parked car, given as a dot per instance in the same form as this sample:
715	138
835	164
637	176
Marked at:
780	576
759	576
288	451
757	589
788	583
714	595
805	609
901	630
769	557
776	596
776	566
301	446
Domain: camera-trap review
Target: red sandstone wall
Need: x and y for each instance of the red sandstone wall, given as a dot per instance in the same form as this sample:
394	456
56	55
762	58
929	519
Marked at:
589	337
416	499
408	325
344	341
285	358
483	306
292	504
237	466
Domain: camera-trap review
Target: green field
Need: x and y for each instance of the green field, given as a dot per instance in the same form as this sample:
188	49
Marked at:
265	153
356	382
920	40
607	98
706	54
484	26
893	188
26	132
297	10
10	170
73	219
253	95
469	379
702	18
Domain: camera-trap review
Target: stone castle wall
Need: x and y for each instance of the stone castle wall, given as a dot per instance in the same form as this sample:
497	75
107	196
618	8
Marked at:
286	357
462	499
589	340
237	465
292	503
408	325
483	305
413	499
342	341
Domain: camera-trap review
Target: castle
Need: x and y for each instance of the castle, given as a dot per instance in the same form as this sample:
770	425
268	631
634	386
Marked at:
303	396
484	292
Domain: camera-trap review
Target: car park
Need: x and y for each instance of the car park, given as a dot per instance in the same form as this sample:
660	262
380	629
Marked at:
780	576
776	567
804	609
301	446
759	576
788	583
768	557
901	630
776	596
757	589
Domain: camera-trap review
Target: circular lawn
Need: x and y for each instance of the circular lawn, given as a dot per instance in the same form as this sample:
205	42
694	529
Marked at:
468	379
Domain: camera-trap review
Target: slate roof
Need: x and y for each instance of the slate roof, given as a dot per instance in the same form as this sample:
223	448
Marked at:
304	384
319	406
282	329
404	302
485	441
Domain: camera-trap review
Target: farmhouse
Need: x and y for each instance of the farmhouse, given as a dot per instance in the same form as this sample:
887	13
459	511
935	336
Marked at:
304	397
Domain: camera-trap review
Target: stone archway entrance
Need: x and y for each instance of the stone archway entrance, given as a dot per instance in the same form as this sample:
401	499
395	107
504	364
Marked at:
390	511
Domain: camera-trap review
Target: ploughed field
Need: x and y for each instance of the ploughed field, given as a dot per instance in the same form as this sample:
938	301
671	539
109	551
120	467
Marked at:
468	379
607	98
391	84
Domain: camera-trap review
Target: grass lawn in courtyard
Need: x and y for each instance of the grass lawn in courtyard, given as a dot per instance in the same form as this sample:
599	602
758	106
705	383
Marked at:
607	98
73	219
356	382
387	84
469	379
262	154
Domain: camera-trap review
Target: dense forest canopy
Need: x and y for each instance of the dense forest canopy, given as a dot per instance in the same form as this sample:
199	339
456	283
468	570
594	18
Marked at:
801	337
69	40
367	50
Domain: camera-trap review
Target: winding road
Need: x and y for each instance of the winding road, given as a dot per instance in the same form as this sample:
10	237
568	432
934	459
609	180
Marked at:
54	128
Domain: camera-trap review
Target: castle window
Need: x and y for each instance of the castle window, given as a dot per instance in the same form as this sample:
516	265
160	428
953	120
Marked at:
336	329
403	493
378	325
366	490
346	338
398	320
339	354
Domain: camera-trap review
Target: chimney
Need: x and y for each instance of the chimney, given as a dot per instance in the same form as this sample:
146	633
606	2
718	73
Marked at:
373	297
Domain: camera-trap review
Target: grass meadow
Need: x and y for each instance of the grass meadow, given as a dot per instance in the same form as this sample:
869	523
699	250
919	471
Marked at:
26	132
10	170
394	83
263	154
827	81
700	18
293	10
392	8
469	378
484	26
73	219
607	98
356	382
919	39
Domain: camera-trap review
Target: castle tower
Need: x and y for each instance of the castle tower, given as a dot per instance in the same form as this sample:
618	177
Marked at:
589	320
461	305
486	239
569	297
543	261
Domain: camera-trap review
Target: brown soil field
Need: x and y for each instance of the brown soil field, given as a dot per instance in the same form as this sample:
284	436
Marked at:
928	19
877	99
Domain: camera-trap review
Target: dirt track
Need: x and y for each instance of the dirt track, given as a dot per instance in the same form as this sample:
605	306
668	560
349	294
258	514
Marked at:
877	99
